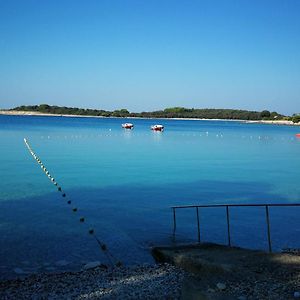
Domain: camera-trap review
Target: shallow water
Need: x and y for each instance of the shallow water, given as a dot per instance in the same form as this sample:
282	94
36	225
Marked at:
124	182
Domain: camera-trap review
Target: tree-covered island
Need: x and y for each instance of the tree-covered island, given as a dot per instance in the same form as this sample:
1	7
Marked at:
173	112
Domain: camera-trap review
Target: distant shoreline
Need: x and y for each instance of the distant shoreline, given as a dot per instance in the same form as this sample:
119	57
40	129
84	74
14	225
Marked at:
33	113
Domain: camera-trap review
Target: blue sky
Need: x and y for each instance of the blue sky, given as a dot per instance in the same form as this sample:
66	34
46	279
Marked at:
151	54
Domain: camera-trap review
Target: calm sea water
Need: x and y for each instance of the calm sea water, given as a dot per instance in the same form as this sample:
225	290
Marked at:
124	182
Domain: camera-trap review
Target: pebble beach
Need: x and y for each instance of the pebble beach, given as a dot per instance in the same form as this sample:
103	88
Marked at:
161	281
157	281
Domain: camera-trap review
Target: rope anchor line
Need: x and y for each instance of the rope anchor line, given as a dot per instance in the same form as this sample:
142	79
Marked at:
82	219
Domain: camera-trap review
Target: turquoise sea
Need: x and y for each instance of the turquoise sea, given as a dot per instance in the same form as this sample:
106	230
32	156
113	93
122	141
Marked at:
123	182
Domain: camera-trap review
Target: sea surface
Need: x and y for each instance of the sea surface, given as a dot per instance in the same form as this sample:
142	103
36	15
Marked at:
123	182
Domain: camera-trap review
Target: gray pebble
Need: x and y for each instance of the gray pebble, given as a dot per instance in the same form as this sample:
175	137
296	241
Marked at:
221	286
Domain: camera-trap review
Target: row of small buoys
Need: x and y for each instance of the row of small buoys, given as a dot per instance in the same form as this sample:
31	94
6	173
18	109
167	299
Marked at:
187	134
154	128
91	231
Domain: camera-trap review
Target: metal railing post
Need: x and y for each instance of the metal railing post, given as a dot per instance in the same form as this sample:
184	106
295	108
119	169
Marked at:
198	224
174	222
228	226
268	228
266	205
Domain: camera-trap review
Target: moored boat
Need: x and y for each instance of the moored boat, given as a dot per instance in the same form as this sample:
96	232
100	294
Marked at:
157	127
298	135
127	125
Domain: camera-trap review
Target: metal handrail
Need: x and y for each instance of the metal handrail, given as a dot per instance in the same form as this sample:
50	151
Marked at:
227	206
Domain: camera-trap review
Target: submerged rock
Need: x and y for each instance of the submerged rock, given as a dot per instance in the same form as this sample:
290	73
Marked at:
62	263
297	295
92	265
19	271
50	269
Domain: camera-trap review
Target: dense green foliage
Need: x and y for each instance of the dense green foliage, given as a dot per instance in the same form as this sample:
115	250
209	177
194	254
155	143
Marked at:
296	118
232	114
174	112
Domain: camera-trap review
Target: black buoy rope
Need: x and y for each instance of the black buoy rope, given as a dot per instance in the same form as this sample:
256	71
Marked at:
111	259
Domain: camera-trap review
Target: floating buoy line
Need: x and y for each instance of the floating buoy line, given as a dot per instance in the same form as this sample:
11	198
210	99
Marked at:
211	135
111	259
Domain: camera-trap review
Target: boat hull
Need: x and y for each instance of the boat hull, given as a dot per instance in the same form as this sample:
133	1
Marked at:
127	126
157	128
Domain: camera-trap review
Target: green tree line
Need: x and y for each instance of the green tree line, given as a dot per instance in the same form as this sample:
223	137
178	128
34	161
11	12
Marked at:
296	118
173	112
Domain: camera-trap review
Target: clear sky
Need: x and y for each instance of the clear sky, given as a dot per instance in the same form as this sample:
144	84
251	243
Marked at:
151	54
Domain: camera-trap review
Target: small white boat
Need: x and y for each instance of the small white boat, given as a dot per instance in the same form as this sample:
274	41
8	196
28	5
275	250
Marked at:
157	127
127	125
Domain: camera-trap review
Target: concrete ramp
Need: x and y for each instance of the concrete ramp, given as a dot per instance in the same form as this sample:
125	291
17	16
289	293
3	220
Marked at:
221	272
